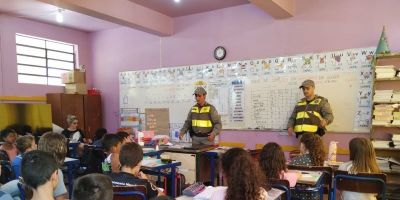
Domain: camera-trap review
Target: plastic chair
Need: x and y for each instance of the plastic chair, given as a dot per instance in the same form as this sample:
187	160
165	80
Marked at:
21	191
327	177
129	192
24	191
361	182
282	185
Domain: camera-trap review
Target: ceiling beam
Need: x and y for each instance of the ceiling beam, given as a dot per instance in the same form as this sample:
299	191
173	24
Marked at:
123	12
279	9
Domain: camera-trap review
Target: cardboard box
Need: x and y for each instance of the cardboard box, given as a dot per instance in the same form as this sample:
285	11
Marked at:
75	76
75	88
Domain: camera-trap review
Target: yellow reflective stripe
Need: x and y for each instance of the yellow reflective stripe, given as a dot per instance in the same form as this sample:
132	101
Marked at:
205	109
303	114
195	109
201	123
315	102
302	103
305	128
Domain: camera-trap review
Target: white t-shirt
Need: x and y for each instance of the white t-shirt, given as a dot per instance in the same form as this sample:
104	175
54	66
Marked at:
346	195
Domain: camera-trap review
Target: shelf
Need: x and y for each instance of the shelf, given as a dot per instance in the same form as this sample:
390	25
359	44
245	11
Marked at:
382	102
387	79
387	126
391	55
386	149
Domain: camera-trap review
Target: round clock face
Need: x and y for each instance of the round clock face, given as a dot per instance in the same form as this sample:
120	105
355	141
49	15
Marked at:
219	53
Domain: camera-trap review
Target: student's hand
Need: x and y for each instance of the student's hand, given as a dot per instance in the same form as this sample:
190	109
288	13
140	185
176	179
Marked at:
180	137
141	175
211	137
89	141
290	131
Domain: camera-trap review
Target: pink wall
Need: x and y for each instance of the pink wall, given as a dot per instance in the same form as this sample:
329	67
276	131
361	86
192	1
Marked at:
246	32
8	69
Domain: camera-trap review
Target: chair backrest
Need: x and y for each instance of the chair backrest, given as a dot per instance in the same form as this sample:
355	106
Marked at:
328	172
361	182
281	184
24	191
137	192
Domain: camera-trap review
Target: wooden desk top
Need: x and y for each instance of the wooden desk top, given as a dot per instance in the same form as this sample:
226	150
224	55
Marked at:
309	177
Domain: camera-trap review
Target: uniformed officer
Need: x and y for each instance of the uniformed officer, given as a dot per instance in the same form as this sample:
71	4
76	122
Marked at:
312	113
203	121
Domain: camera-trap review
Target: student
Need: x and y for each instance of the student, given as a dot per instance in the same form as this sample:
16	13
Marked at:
56	145
40	172
24	144
245	179
8	136
311	150
362	160
131	157
273	163
93	187
125	137
112	145
73	133
97	140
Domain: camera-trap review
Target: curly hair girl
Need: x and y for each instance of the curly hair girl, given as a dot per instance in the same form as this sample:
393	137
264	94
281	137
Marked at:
315	147
245	180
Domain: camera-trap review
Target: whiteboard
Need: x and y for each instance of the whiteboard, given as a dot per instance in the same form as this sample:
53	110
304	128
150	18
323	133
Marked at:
260	93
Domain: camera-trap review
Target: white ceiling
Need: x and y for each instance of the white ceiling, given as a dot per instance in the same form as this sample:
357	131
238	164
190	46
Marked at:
42	12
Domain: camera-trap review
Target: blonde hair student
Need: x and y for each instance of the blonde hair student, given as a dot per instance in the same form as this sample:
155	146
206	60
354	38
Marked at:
362	160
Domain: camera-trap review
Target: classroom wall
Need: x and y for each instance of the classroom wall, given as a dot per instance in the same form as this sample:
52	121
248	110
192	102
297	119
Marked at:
246	32
9	26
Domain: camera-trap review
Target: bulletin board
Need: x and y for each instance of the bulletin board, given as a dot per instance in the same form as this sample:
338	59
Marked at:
260	93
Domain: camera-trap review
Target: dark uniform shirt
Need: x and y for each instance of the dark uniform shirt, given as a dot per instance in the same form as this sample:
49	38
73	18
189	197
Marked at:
127	179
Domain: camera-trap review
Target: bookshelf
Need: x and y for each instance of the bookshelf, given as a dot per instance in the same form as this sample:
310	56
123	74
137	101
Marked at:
380	85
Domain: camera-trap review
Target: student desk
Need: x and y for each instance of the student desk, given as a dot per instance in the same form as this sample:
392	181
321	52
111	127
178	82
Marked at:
154	166
70	163
194	165
150	152
312	178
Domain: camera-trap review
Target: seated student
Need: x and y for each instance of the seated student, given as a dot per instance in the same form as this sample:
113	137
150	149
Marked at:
97	140
72	132
112	145
125	137
40	172
244	177
312	154
93	187
56	145
311	150
75	135
131	157
24	144
362	160
8	136
273	163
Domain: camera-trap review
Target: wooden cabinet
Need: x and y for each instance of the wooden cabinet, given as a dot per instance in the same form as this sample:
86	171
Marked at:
87	108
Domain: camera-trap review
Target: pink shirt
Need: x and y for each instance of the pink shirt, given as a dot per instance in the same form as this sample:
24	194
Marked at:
291	176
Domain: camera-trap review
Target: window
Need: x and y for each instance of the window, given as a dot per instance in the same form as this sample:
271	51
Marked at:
42	61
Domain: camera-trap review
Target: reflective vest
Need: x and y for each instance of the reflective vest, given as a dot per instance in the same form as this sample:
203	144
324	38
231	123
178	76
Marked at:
308	116
201	121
